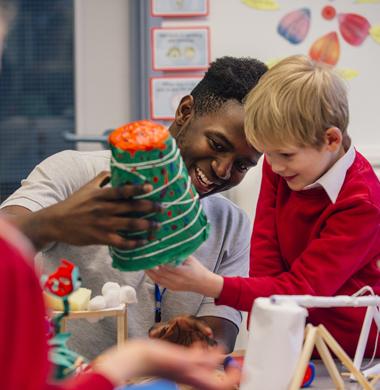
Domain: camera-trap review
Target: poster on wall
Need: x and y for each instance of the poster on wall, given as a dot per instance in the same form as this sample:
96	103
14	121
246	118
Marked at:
179	8
166	93
180	48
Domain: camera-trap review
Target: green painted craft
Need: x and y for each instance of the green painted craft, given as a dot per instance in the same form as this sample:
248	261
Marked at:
184	225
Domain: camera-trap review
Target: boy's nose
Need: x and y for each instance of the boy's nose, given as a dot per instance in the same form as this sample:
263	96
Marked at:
276	166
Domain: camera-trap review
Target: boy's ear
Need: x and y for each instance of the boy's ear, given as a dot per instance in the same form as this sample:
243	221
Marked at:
334	139
184	110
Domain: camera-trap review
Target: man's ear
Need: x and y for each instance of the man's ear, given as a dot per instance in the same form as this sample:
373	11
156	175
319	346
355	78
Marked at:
333	139
184	110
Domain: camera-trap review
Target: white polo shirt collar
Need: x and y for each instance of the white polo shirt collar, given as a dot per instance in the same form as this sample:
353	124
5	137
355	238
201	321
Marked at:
333	179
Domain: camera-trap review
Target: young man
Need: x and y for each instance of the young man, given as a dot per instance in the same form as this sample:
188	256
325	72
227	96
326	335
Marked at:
55	204
317	225
23	328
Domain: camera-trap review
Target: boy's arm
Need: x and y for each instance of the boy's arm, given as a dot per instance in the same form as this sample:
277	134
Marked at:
265	255
349	241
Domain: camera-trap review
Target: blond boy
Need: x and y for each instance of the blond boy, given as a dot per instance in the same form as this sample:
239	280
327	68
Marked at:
317	225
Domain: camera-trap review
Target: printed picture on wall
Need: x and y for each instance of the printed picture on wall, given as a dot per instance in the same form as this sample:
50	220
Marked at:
166	93
179	8
180	48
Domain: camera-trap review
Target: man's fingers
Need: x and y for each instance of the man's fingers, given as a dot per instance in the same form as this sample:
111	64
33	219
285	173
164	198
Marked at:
100	180
127	191
119	242
136	206
123	207
130	224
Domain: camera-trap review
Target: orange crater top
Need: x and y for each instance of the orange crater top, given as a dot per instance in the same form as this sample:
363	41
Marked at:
139	135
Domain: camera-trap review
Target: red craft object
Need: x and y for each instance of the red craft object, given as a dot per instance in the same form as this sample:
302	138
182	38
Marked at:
354	28
140	135
62	281
326	49
328	12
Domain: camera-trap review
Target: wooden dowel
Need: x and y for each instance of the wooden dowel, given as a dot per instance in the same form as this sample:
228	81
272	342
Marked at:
120	329
329	363
375	379
307	350
343	357
126	323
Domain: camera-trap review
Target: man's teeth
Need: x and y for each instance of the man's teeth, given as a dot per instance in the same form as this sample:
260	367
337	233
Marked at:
203	177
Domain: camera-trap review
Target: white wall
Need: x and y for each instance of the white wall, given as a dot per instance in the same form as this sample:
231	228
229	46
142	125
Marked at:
101	66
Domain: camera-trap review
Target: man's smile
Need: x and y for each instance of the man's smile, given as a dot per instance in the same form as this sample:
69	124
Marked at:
201	182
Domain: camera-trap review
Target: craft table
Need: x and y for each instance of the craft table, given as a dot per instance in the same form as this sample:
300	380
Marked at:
322	380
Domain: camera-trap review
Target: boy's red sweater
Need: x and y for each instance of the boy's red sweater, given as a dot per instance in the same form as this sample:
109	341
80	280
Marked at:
302	243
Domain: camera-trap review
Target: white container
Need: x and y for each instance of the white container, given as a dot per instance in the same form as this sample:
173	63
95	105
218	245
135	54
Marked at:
274	346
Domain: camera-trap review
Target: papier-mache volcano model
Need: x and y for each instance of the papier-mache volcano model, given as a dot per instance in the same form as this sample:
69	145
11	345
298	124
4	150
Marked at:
142	152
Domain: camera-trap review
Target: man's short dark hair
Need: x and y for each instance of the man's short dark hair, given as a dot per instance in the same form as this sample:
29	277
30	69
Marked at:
228	78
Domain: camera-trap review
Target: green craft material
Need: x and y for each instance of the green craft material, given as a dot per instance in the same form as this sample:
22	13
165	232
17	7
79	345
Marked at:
184	225
65	361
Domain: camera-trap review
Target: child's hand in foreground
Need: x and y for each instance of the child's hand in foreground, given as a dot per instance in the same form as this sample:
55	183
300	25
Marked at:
193	366
191	275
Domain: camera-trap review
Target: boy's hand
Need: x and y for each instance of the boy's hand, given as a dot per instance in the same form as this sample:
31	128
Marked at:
191	275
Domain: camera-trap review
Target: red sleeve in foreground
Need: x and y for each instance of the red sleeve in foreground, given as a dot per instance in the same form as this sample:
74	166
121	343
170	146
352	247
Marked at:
91	380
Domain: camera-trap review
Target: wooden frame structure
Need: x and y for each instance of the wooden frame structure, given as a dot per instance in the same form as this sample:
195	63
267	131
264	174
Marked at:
121	314
320	338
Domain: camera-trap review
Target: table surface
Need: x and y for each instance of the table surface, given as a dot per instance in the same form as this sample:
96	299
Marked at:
323	381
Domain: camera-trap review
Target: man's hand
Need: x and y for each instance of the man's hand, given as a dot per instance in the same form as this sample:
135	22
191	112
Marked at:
191	275
92	215
184	330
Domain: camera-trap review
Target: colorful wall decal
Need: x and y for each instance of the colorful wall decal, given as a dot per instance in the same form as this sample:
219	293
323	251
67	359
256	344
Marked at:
354	28
326	49
272	62
263	5
295	25
179	8
347	73
374	32
367	1
328	12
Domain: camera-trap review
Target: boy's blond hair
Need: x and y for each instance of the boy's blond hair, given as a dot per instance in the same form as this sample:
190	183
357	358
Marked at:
294	103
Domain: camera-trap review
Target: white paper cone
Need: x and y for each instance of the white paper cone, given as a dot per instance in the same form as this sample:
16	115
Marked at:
274	346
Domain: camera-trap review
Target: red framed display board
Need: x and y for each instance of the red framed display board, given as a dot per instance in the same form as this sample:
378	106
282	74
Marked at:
180	49
166	93
179	8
